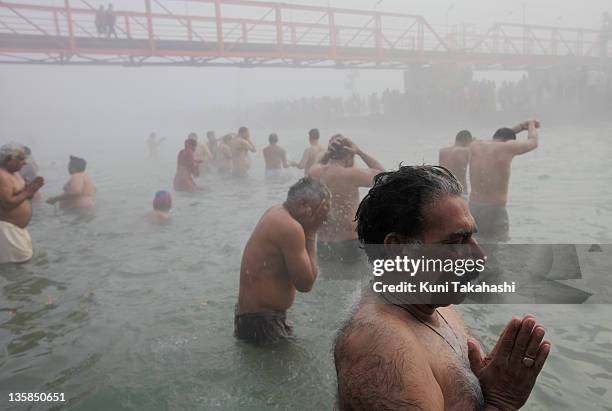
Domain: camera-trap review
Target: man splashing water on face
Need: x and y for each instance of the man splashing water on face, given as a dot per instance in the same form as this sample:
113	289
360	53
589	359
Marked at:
279	260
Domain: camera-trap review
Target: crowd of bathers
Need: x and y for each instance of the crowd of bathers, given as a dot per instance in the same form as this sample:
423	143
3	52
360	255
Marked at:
394	352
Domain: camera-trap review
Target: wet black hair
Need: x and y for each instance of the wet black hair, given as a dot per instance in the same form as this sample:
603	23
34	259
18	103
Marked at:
314	134
505	134
397	203
27	151
308	189
273	138
337	147
77	164
242	130
463	137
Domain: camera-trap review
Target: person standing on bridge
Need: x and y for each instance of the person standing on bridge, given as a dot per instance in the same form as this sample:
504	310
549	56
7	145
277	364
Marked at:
100	21
111	21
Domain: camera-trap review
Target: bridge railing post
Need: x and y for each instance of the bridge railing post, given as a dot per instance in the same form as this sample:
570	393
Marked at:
333	34
71	41
56	23
278	12
219	22
379	36
128	31
420	35
150	25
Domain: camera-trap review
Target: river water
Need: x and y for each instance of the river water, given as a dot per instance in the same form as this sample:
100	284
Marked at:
120	315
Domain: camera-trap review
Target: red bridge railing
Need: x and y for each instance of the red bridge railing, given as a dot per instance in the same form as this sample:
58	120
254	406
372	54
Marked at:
230	32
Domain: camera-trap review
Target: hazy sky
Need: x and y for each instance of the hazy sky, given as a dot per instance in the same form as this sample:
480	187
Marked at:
31	94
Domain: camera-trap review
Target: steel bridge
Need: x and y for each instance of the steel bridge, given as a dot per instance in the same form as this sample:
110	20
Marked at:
246	33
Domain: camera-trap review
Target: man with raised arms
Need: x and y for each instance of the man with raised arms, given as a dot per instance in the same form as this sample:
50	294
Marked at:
457	157
241	146
312	153
394	354
15	205
336	169
490	168
279	259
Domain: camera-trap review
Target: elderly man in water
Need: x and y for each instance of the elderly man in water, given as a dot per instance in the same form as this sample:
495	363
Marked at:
279	259
79	192
15	205
457	157
336	169
490	167
398	352
241	146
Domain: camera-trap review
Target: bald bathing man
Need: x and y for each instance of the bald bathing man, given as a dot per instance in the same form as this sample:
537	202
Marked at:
336	169
311	154
241	146
15	205
457	157
490	168
394	354
279	259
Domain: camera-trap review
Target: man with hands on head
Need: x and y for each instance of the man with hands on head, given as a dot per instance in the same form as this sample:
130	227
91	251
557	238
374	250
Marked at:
279	259
336	169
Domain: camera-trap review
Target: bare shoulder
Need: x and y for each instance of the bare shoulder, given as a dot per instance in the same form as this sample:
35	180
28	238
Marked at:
372	329
380	364
278	223
6	177
316	171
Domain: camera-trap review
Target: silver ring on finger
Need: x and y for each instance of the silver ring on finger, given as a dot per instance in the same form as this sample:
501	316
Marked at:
528	362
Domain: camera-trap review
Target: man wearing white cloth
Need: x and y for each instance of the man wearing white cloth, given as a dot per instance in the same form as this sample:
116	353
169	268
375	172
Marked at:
15	205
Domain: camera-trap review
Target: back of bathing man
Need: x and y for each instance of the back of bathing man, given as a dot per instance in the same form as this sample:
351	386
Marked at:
490	166
275	157
396	355
457	157
15	205
336	169
312	153
278	260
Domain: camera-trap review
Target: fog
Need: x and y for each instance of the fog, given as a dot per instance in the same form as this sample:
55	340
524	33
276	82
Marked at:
40	101
120	313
